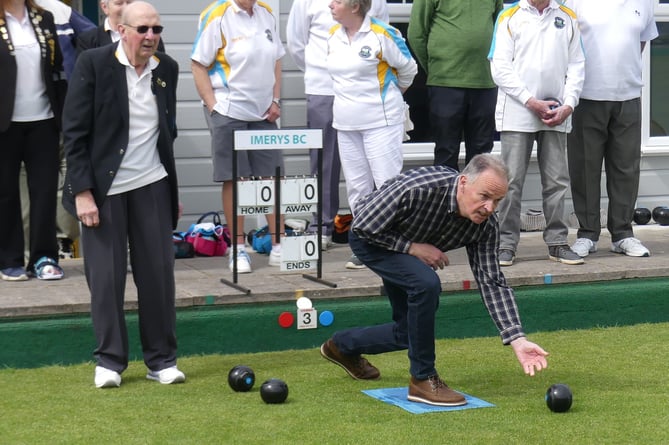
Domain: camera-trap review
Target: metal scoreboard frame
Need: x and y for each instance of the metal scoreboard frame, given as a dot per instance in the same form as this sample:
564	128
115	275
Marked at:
311	139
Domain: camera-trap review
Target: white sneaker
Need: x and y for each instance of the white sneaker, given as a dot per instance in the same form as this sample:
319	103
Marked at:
584	247
167	376
243	261
630	247
326	242
106	378
275	257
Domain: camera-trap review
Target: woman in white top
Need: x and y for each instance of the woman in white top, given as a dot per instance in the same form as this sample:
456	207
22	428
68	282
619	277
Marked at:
307	33
371	67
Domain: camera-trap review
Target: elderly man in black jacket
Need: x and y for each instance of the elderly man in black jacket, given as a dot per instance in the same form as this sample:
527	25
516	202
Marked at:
121	184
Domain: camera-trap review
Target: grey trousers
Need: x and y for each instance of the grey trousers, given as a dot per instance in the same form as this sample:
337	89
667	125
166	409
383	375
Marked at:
607	133
141	218
319	115
551	155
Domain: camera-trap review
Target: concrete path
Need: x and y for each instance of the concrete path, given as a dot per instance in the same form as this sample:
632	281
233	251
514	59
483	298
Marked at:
198	279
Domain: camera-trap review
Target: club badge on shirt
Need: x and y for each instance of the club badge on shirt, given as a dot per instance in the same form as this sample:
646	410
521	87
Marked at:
365	52
559	22
268	34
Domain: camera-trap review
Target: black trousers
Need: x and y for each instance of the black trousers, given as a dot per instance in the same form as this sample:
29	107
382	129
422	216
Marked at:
139	218
458	114
35	144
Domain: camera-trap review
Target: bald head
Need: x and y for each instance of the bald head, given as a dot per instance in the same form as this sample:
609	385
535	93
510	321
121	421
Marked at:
137	9
140	32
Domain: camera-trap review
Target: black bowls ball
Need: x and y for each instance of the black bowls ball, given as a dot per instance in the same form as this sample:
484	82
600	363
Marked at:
559	398
241	378
661	215
274	391
642	216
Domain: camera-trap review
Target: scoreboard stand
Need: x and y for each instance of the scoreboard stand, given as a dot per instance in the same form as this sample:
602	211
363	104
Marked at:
281	195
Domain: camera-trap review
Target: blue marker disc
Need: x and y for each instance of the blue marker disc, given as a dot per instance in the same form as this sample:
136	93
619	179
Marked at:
326	318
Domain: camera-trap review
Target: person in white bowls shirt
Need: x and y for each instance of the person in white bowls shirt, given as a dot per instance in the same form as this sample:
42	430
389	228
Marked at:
307	31
236	64
607	123
537	61
371	67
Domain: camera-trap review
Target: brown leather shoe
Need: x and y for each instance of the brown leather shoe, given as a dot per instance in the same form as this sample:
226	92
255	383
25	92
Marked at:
434	391
356	366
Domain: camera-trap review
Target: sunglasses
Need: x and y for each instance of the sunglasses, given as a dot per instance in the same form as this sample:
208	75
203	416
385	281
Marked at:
143	29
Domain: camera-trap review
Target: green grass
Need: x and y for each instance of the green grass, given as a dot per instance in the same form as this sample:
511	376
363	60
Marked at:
618	376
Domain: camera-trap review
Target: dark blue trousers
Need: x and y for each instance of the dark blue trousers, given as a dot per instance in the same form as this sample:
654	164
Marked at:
413	290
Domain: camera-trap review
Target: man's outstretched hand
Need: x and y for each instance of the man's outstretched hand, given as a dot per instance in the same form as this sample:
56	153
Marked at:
531	356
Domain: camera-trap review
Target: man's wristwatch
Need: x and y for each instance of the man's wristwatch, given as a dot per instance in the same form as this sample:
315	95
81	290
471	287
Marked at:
277	101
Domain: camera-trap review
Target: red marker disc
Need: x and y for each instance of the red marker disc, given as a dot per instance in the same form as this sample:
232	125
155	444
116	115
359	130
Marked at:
286	319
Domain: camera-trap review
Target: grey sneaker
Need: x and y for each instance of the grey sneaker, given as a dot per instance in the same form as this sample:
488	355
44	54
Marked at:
584	247
630	247
506	257
14	274
354	263
563	254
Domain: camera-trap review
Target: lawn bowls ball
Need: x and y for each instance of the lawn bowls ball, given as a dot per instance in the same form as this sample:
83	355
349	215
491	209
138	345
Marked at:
559	398
241	378
642	216
661	215
274	391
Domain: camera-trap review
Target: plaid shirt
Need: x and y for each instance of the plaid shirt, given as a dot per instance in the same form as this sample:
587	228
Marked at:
420	206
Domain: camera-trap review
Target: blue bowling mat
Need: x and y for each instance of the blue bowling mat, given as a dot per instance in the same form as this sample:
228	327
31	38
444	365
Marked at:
398	397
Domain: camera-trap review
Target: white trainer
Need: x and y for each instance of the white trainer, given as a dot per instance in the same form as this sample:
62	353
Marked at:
326	242
630	247
584	247
167	376
275	257
106	378
243	261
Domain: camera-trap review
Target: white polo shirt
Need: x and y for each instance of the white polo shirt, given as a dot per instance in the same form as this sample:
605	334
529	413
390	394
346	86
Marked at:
307	31
31	102
140	165
240	51
612	32
368	73
535	55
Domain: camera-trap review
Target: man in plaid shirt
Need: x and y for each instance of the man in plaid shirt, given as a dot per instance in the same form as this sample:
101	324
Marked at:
402	232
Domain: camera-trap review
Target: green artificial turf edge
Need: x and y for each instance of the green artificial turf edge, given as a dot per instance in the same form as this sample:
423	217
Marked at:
245	328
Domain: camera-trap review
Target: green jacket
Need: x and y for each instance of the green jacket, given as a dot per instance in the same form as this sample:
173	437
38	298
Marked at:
451	40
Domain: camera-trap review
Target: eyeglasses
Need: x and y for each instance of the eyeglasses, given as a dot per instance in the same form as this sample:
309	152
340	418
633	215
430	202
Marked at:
143	29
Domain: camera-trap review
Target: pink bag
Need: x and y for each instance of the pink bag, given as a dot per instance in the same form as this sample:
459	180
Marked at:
206	245
209	239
